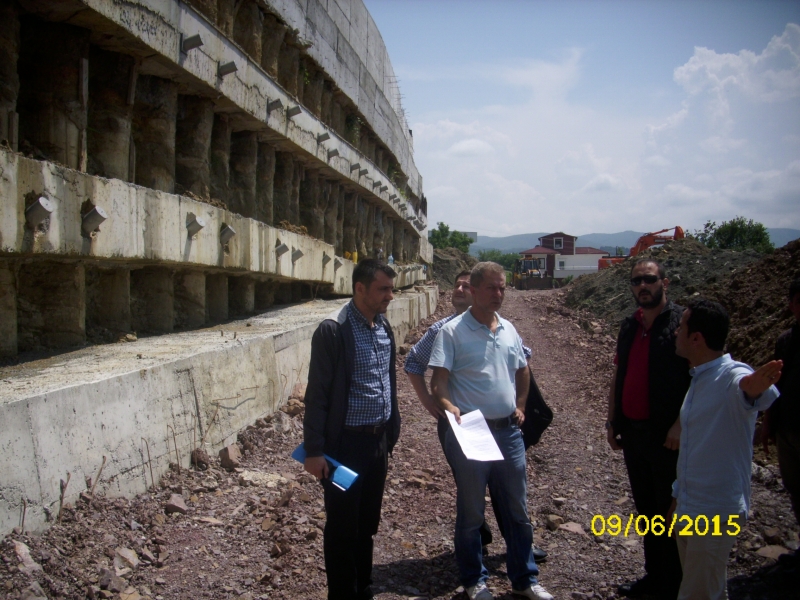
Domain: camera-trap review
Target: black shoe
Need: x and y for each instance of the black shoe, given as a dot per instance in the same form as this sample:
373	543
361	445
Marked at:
638	588
539	555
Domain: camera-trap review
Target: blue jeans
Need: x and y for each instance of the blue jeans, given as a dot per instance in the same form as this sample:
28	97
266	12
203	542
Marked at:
507	484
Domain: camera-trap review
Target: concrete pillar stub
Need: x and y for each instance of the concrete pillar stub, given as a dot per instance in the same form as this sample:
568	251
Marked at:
190	299
349	223
195	122
247	28
154	122
289	67
311	216
110	114
220	157
340	222
52	109
243	162
108	299
152	300
265	295
398	236
8	310
265	177
216	297
294	199
331	212
282	186
51	305
241	296
273	34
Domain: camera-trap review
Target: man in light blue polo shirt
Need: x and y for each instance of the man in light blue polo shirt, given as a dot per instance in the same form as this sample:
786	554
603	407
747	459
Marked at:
478	364
718	418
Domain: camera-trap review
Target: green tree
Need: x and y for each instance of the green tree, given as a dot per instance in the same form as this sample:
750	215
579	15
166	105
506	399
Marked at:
493	254
737	234
442	237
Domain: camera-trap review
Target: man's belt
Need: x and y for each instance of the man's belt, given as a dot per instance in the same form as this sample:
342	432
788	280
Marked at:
500	423
370	429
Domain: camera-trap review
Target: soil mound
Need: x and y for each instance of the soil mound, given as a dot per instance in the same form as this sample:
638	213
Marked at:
752	286
449	262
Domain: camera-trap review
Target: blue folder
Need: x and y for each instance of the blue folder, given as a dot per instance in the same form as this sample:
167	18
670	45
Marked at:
340	476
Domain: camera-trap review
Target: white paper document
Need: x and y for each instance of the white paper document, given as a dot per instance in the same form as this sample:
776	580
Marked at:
474	437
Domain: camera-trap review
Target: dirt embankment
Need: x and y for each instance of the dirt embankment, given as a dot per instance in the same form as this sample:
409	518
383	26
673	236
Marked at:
448	263
753	287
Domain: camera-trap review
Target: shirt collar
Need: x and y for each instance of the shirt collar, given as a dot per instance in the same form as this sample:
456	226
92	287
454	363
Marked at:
473	324
356	314
712	364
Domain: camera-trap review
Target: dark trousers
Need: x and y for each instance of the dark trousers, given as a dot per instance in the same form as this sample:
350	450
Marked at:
486	534
651	471
353	516
789	461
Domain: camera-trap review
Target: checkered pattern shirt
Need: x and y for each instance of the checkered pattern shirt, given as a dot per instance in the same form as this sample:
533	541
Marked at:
419	356
370	398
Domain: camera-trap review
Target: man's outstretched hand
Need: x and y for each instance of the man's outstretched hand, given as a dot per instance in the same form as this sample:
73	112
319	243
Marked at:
756	383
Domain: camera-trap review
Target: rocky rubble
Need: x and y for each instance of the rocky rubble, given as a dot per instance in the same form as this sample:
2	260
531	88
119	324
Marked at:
254	531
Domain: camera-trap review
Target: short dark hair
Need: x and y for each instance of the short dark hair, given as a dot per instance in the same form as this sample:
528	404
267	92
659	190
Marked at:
479	270
367	268
794	288
711	320
649	261
461	274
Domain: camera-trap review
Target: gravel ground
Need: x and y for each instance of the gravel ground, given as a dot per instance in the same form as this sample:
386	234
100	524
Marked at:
265	540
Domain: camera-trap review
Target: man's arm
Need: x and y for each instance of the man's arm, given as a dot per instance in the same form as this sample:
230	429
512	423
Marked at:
522	379
610	435
755	384
425	398
441	391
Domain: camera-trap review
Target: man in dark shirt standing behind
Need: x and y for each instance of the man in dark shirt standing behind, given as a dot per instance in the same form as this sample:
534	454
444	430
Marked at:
351	415
645	397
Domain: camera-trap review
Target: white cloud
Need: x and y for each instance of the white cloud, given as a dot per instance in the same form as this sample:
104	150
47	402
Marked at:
470	147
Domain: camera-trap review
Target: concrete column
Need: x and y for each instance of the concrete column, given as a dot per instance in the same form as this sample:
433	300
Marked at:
154	123
206	7
8	310
247	28
294	200
289	67
110	113
265	176
379	249
265	295
241	296
51	305
408	247
326	104
108	299
190	299
311	215
340	222
312	93
192	145
9	83
349	223
152	300
338	118
53	69
242	187
273	34
217	297
398	237
226	15
220	157
388	236
332	212
282	187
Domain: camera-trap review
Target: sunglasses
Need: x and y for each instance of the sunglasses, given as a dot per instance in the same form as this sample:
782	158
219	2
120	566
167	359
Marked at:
648	279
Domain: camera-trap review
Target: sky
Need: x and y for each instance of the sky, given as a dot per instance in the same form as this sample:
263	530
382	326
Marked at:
600	116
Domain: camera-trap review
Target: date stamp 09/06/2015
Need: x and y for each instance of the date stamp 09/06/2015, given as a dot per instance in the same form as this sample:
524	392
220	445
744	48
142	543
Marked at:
684	525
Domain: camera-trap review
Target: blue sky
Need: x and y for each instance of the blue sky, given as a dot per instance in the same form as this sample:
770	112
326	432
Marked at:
598	116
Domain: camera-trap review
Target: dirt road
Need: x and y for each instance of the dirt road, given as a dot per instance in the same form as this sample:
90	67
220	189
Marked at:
265	540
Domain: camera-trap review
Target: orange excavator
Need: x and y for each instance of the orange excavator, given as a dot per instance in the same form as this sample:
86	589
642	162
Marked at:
643	243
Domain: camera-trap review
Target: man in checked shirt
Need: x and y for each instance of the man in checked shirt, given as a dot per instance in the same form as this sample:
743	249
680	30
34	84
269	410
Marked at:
351	415
415	367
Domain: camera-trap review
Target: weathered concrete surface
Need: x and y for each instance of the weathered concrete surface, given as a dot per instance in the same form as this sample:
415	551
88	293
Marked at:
64	414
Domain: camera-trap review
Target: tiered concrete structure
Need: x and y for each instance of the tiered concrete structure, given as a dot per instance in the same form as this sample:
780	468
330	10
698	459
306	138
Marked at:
166	165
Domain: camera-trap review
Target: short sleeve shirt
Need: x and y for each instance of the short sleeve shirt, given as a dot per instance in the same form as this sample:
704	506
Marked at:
482	364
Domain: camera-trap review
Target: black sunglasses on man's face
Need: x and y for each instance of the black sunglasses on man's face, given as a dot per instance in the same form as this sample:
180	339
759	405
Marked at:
648	279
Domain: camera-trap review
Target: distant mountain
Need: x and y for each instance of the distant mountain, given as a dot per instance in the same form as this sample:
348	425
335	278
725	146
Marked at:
626	239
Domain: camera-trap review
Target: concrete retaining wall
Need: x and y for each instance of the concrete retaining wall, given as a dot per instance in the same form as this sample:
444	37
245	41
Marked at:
62	415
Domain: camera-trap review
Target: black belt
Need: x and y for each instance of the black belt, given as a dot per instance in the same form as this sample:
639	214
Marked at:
370	429
500	423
